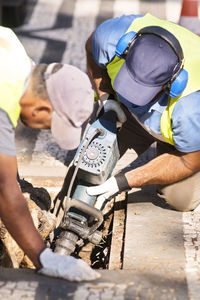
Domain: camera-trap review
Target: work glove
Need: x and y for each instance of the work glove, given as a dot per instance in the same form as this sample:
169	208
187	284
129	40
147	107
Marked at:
111	187
67	267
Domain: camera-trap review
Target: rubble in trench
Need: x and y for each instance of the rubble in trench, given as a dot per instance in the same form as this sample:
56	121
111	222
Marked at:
39	203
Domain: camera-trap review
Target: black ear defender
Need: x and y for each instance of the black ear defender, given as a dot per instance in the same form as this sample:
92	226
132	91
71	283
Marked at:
179	80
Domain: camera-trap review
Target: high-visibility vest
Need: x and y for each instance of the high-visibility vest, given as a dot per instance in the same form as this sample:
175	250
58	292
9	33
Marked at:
190	44
15	69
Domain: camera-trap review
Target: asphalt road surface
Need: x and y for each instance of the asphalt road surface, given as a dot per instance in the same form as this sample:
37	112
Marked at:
56	31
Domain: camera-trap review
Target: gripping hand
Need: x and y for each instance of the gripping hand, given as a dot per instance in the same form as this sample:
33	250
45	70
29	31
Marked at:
111	187
66	267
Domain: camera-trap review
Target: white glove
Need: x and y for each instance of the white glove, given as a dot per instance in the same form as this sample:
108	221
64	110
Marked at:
66	267
108	189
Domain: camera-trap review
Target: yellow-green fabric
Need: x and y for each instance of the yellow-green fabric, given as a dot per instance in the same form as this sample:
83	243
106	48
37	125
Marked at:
190	44
15	70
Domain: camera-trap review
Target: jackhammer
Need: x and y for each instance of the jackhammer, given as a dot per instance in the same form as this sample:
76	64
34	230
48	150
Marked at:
93	163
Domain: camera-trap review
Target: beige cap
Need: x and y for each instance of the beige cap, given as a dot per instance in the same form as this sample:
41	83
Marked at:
72	97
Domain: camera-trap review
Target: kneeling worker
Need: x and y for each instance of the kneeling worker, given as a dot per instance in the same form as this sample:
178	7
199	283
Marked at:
55	96
152	68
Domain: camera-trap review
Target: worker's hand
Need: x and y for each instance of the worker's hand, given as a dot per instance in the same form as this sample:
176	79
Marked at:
66	267
108	189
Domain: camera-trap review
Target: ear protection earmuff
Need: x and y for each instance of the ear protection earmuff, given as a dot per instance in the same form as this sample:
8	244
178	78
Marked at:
179	80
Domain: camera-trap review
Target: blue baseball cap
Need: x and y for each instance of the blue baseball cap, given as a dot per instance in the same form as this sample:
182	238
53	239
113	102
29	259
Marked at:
149	65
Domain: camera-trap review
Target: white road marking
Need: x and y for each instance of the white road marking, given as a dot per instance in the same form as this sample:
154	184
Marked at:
173	10
126	7
85	14
43	18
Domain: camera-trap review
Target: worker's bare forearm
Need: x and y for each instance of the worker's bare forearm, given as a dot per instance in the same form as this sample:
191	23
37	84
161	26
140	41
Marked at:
14	211
16	217
98	76
165	169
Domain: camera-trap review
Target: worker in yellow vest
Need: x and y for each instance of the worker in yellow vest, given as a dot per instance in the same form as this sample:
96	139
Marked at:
56	96
151	66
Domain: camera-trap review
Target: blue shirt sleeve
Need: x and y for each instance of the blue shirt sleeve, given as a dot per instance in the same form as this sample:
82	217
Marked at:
106	37
186	123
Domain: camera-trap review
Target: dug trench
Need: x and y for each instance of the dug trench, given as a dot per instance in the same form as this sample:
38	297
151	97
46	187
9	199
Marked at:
108	254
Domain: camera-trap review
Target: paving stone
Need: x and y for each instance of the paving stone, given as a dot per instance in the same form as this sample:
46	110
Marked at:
48	35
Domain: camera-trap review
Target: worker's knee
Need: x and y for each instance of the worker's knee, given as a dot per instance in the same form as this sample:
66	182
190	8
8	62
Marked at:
183	195
178	200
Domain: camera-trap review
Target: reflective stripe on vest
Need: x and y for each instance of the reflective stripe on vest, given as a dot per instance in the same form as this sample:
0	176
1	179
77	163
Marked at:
190	44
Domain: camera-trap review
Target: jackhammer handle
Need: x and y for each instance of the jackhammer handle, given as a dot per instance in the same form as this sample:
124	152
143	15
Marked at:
91	211
113	105
109	116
